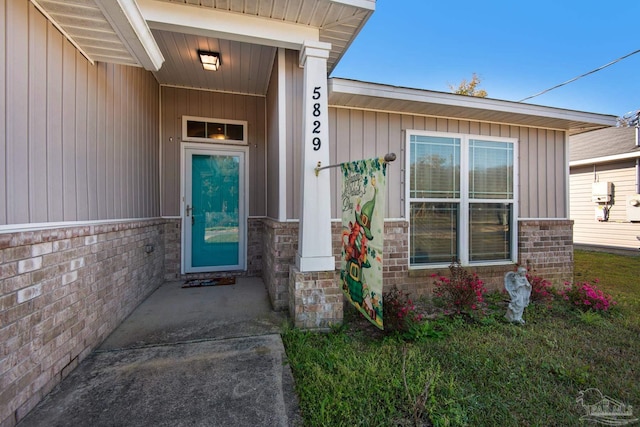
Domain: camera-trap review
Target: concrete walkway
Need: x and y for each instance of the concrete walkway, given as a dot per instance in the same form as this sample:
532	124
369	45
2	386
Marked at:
209	356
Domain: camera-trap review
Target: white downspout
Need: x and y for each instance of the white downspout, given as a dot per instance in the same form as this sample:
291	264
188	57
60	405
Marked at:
637	161
637	175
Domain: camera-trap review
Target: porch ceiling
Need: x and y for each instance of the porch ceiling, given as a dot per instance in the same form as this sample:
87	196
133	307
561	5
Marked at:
245	67
338	21
246	33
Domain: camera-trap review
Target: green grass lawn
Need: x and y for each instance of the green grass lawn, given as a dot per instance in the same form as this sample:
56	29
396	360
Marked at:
482	372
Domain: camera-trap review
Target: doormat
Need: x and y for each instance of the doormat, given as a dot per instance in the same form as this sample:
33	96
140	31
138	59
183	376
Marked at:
220	281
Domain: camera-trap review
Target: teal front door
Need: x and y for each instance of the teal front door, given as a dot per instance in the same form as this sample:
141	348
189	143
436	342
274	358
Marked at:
214	220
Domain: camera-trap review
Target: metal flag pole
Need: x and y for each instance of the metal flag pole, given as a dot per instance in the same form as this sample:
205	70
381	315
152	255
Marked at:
389	157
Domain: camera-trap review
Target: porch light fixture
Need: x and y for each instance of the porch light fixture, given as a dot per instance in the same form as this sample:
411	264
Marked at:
210	60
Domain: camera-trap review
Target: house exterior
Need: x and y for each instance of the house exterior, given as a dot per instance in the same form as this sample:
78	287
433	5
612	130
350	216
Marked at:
605	188
125	164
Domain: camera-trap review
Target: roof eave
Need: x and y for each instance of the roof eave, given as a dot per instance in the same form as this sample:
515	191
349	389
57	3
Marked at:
366	9
119	19
127	21
606	159
356	94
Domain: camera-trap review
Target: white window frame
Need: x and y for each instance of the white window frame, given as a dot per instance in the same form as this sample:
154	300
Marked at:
187	138
464	200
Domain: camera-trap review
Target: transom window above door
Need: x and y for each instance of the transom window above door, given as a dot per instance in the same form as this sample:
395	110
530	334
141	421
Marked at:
214	131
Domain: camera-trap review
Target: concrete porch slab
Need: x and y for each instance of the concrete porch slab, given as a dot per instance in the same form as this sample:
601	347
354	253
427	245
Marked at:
174	314
208	356
232	382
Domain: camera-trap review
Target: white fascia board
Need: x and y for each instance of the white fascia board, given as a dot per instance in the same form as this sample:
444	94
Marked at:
337	85
361	4
225	25
127	21
613	158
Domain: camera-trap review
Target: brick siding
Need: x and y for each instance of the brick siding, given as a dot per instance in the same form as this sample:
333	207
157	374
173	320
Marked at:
62	292
173	230
546	246
254	247
172	255
315	301
280	244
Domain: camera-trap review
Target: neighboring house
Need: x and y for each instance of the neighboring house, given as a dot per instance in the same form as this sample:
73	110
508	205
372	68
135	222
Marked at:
605	188
125	163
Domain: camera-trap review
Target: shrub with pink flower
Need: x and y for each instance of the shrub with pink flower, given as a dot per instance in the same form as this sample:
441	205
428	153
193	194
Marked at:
398	310
586	296
541	289
462	291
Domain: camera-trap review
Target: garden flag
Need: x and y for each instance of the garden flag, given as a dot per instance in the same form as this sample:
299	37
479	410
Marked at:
363	209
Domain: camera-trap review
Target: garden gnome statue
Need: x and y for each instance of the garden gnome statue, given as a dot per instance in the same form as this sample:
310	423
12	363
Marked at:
519	289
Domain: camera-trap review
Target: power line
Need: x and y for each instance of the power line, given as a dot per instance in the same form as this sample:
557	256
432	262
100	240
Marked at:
581	76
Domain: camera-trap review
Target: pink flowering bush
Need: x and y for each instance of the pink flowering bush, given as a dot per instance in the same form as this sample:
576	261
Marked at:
541	289
462	292
399	311
586	296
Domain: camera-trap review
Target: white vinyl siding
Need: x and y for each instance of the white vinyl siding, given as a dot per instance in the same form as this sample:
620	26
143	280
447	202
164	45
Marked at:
617	231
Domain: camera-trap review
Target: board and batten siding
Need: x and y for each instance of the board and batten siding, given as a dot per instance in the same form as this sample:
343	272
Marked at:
294	76
273	146
178	102
617	231
357	134
78	142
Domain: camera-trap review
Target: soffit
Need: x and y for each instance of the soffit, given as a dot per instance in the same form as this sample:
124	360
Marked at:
104	30
338	21
117	32
377	97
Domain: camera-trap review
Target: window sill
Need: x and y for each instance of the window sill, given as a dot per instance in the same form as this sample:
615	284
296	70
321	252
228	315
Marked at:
492	269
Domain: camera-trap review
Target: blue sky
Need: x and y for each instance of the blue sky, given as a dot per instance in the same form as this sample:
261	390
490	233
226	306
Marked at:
517	48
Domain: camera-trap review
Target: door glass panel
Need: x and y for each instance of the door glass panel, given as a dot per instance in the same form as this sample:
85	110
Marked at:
215	221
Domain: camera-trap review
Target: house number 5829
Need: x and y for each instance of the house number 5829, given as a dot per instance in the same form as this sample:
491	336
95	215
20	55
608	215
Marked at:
317	143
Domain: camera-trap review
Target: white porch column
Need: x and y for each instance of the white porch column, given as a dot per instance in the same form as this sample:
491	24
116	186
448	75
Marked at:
314	241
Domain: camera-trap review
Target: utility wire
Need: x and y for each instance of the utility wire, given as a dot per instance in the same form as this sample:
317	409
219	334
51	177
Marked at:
581	76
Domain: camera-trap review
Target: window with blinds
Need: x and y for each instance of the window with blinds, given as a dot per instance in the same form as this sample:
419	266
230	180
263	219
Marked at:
461	199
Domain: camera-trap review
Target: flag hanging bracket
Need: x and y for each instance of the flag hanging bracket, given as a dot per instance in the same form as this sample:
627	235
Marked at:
388	158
